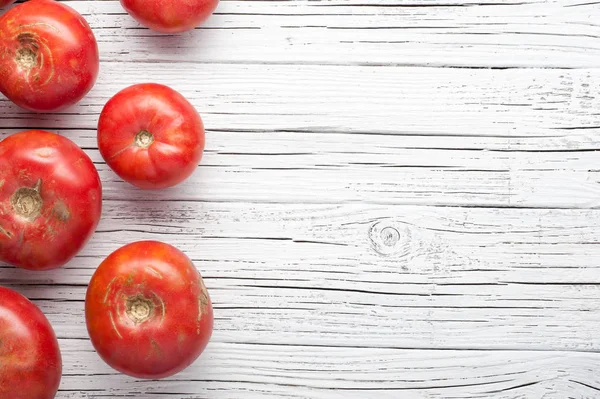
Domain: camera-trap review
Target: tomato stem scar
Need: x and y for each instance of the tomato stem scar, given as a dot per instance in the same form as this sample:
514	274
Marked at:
26	58
139	309
144	139
27	202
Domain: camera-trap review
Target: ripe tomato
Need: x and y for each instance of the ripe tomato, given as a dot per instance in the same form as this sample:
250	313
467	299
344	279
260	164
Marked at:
151	136
171	16
6	2
48	56
147	310
50	199
30	360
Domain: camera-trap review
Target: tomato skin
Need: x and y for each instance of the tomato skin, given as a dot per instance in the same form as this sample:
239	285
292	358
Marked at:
48	56
170	16
175	148
174	318
29	352
50	200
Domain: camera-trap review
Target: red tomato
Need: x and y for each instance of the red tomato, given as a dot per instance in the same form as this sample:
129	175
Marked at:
147	310
151	136
50	199
30	360
170	16
48	56
6	2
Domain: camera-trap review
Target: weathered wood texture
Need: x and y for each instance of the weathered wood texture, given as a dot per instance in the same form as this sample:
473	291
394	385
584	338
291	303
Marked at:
398	199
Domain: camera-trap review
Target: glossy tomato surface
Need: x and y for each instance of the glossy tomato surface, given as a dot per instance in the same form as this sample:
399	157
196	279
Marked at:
50	199
151	136
30	361
147	310
170	16
48	55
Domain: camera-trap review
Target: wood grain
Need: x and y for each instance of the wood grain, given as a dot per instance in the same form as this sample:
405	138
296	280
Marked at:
453	282
457	137
398	199
473	34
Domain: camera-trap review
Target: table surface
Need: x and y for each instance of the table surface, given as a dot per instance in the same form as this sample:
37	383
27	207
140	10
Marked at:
398	199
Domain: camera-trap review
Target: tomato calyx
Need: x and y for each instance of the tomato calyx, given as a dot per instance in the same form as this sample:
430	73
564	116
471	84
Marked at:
27	202
139	309
144	139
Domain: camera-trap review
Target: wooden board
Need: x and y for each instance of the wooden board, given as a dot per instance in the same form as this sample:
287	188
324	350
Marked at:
398	199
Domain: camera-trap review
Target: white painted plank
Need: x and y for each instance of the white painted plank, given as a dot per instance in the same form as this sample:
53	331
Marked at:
455	137
555	34
345	99
376	215
252	97
324	275
301	372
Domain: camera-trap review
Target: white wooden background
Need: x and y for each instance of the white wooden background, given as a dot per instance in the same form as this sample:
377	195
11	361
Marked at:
398	199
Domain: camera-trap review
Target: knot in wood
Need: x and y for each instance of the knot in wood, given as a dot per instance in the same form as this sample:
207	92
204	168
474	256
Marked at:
388	239
389	236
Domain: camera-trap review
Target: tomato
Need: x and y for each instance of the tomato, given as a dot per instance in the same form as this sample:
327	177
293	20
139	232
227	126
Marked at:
48	56
151	136
170	16
30	360
50	199
4	3
147	310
